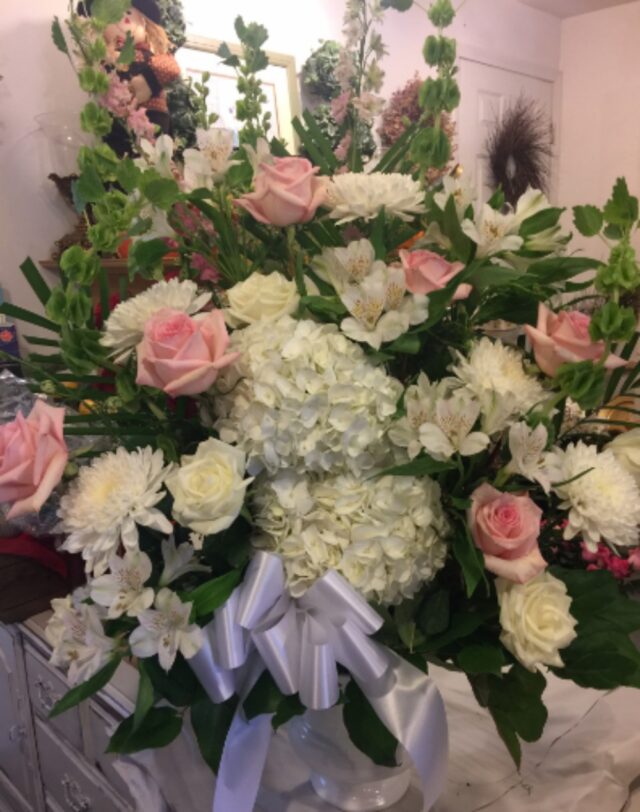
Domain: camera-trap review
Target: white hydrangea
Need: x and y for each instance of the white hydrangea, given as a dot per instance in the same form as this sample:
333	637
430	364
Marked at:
353	195
602	498
386	536
108	500
303	396
494	374
124	328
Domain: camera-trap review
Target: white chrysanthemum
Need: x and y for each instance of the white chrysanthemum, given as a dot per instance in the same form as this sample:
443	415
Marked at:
303	396
355	195
106	502
495	375
124	328
385	536
603	503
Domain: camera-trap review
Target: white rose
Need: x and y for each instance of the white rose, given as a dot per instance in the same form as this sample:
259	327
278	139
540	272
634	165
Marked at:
535	618
208	488
626	447
261	298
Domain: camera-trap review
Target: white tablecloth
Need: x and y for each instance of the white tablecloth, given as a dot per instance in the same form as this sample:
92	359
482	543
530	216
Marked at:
588	760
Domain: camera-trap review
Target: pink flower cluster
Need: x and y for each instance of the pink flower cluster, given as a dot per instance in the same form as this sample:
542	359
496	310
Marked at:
120	102
605	559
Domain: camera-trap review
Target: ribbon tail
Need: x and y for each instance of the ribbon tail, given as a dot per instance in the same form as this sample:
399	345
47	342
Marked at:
411	707
242	764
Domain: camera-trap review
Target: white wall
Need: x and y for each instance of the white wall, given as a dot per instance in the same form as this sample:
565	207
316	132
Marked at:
37	78
600	137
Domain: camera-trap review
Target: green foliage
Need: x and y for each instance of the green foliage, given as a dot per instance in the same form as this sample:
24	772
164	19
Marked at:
108	11
57	35
93	80
431	148
440	94
95	120
144	699
211	722
212	594
266	697
622	271
584	382
441	13
439	50
179	685
158	728
366	730
127	52
469	557
398	5
613	323
318	72
588	220
174	24
621	209
482	659
86	689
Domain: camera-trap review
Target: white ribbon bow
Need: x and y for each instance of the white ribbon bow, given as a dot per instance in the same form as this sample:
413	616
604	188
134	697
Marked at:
300	642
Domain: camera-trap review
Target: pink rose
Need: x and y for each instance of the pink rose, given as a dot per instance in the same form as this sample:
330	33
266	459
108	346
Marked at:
285	192
33	455
506	526
563	337
426	272
182	355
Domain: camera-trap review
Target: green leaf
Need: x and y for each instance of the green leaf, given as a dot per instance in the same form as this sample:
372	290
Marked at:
161	192
598	601
398	5
179	685
57	35
325	306
81	692
211	722
559	269
228	58
158	729
421	466
144	700
621	209
462	245
127	175
128	51
365	729
434	615
35	280
602	660
407	344
146	255
470	559
497	199
289	707
462	625
109	11
588	220
542	220
264	697
481	659
19	313
212	594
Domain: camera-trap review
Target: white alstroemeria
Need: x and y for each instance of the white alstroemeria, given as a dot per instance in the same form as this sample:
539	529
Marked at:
347	266
78	640
451	433
462	191
123	590
260	155
159	227
108	500
165	630
531	202
158	156
420	405
198	172
178	561
197	539
550	241
216	144
527	447
380	309
493	232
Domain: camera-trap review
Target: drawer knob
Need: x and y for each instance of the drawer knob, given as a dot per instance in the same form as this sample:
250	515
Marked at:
17	732
46	696
73	796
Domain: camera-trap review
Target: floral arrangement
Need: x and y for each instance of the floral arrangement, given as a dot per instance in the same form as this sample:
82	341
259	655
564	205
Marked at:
318	458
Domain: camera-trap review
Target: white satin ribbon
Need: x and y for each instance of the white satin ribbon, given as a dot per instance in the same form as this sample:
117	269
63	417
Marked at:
300	642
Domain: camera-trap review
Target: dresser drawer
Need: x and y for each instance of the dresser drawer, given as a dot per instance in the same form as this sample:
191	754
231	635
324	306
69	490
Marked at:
101	727
72	784
46	687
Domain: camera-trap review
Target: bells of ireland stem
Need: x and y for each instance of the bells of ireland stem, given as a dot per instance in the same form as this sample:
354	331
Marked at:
621	272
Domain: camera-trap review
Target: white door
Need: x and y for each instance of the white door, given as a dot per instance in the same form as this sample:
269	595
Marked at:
487	91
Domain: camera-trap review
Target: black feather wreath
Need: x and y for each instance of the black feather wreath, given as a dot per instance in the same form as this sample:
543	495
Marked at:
519	149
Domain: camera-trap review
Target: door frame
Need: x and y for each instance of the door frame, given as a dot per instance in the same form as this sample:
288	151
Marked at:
546	73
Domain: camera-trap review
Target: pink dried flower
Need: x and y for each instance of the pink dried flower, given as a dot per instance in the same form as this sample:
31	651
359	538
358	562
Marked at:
208	271
342	150
340	106
119	99
140	126
605	559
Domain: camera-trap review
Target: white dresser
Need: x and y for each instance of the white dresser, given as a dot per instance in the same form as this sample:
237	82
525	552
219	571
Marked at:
54	764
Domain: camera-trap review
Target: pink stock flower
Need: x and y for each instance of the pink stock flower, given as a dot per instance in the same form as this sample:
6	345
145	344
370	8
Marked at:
208	271
33	455
634	558
285	192
342	150
426	272
340	106
605	559
506	526
564	338
119	99
182	355
140	126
